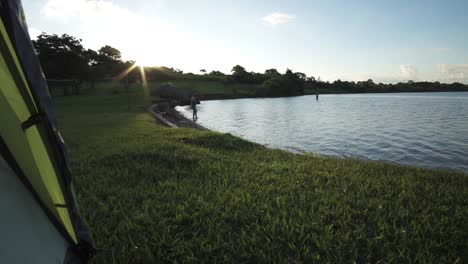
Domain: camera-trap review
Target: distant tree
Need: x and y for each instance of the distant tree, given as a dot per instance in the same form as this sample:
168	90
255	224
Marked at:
92	57
61	56
274	87
239	73
164	74
272	73
108	54
295	82
254	78
310	83
93	71
167	69
289	84
64	57
300	75
109	59
216	73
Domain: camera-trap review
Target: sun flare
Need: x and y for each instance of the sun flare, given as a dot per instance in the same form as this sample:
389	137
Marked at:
144	58
144	62
126	72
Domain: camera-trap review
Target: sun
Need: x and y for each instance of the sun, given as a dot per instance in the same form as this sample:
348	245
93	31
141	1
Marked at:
144	63
126	72
145	59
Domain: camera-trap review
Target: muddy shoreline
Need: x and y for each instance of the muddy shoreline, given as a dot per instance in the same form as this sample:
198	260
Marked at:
165	114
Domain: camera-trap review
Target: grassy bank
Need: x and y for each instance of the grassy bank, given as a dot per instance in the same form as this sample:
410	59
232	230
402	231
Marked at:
209	89
150	193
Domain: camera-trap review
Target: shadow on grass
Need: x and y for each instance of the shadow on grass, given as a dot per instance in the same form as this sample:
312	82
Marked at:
145	167
225	142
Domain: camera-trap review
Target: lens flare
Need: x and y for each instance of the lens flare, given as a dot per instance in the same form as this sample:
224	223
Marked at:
142	72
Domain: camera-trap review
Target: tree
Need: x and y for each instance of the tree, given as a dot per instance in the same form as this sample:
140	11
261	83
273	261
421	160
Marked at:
109	60
61	57
289	84
108	54
295	82
300	76
239	73
217	74
203	71
272	73
92	57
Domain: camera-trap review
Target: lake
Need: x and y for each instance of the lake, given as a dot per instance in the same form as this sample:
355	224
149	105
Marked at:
422	129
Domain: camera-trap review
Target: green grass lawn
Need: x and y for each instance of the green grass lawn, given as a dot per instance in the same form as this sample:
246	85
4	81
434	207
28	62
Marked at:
155	194
211	87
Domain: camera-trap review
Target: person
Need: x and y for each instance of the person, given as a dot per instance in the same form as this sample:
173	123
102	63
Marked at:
193	103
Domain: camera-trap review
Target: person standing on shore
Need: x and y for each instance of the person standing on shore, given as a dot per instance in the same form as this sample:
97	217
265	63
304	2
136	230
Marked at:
193	103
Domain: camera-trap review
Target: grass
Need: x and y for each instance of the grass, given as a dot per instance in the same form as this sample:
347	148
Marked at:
154	194
209	89
212	87
213	90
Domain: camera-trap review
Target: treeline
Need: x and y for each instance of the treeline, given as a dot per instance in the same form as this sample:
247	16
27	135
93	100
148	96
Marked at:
369	86
64	57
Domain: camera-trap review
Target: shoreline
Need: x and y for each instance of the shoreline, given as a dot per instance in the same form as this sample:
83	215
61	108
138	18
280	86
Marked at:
169	116
175	119
220	97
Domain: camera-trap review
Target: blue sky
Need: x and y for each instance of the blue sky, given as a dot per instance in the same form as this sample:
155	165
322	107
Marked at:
388	41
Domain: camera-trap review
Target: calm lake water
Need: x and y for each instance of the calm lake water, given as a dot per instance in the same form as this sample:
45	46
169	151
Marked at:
422	129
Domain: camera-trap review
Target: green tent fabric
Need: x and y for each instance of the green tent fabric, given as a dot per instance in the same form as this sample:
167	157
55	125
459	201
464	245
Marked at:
33	154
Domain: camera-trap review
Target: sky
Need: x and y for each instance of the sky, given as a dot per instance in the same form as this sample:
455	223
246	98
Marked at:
383	40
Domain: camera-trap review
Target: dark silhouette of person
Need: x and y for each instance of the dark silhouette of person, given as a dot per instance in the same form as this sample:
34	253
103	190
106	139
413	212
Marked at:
193	103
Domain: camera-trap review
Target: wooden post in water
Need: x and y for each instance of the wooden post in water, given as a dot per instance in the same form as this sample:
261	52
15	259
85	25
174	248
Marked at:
316	93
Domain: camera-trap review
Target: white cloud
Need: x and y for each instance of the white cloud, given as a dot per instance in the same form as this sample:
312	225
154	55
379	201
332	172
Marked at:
278	18
63	9
443	68
453	73
408	71
103	22
149	40
34	32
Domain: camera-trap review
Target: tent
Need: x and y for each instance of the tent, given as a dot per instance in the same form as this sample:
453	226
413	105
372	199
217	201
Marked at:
39	219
